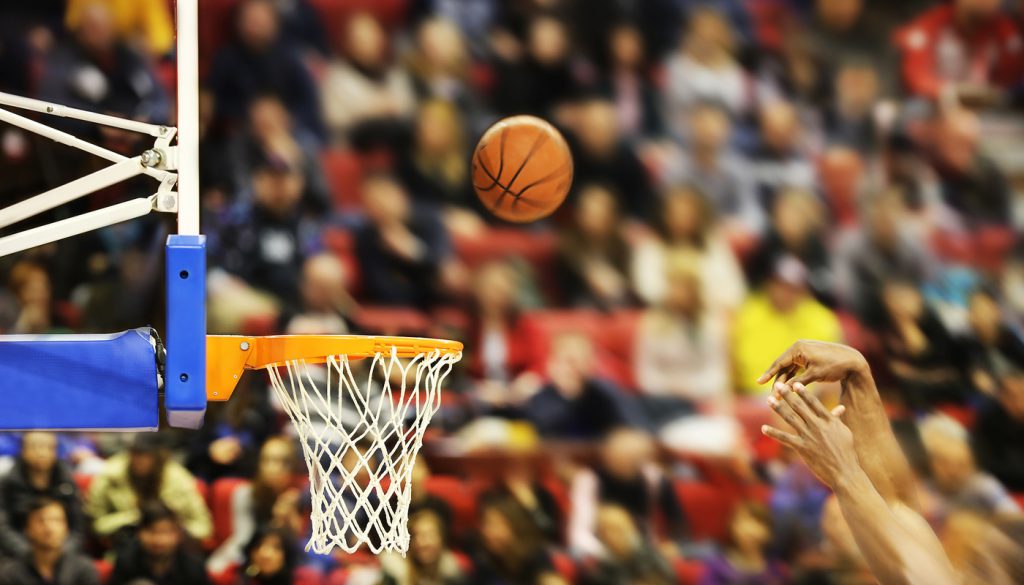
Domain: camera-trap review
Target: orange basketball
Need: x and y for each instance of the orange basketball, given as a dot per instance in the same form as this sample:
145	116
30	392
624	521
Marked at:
522	169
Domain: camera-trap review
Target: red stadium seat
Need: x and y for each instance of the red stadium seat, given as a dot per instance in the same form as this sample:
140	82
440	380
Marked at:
688	572
392	321
707	508
340	242
307	576
460	498
220	506
538	249
565	566
104	568
596	326
344	171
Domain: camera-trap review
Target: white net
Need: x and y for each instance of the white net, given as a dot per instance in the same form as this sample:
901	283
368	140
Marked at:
360	441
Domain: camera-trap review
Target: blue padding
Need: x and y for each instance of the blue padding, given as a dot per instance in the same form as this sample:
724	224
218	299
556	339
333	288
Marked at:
185	385
79	382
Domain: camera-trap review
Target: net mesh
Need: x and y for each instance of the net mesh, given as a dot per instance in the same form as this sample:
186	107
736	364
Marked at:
360	441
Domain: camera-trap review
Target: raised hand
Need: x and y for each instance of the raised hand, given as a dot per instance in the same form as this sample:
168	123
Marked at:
816	361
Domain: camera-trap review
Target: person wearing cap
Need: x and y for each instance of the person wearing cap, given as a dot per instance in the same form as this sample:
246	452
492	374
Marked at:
145	474
772	317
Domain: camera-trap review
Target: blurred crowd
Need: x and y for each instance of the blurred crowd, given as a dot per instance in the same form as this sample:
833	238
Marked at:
747	173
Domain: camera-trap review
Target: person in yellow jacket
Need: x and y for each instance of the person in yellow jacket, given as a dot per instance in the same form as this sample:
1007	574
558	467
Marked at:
143	474
143	24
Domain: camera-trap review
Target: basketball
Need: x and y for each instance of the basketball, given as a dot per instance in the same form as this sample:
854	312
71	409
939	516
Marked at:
522	169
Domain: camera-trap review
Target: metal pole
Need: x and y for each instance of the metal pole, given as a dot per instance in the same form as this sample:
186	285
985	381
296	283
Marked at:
42	107
73	226
188	117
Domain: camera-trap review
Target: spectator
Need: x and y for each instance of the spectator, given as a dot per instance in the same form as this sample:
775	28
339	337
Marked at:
850	120
954	476
363	92
31	286
440	68
772	317
998	433
705	70
258	62
326	305
628	476
921	353
844	30
429	561
520	480
145	26
271	500
575	403
144	475
158	553
36	474
537	78
628	557
602	156
96	72
681	354
271	557
594	255
745	559
509	550
627	82
797	229
436	168
966	49
302	26
687	225
720	172
421	500
794	74
778	161
994	348
48	561
402	254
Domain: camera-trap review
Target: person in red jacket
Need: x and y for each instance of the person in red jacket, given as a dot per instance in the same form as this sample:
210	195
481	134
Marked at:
968	48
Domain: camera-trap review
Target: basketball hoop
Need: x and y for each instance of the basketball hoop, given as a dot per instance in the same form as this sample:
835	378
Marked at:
360	406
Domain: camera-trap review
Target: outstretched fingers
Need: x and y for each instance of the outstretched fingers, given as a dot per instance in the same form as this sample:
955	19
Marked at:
786	412
784	361
798	402
811	400
788	439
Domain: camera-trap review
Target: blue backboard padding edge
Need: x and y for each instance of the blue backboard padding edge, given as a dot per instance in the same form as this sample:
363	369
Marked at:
101	382
185	374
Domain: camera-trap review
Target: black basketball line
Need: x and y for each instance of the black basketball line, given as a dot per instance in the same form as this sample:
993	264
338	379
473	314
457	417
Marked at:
533	149
552	175
501	162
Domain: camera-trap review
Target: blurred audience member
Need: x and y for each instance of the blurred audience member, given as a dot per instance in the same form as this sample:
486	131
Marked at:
402	250
158	553
627	475
921	353
429	561
745	559
705	70
967	50
954	476
48	560
228	444
627	81
37	473
302	26
687	225
145	25
363	91
995	348
520	480
844	30
681	351
271	500
771	318
628	558
509	549
31	286
259	62
142	476
538	77
778	161
594	255
326	304
998	433
440	67
270	557
435	169
602	156
796	74
422	500
575	403
850	120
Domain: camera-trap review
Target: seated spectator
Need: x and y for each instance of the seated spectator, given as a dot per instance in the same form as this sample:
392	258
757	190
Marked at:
37	473
593	254
271	557
258	62
520	480
302	26
402	254
422	500
440	67
327	307
143	475
687	225
271	500
627	82
966	49
998	433
796	505
745	558
850	119
704	69
883	249
363	91
158	553
144	25
995	349
627	475
435	169
48	560
798	229
602	156
508	550
538	77
94	71
628	556
429	561
778	161
575	403
681	351
843	30
922	355
795	74
955	478
769	320
711	166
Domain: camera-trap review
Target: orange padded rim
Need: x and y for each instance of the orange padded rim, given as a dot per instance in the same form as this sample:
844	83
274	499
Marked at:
228	355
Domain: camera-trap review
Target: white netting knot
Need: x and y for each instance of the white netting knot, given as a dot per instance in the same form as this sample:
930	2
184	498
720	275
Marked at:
360	441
